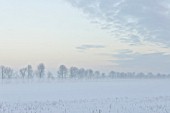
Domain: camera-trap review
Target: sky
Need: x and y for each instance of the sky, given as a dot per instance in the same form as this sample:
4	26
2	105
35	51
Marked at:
120	35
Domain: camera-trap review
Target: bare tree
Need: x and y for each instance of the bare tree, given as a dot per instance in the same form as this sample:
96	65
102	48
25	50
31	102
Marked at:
29	71
62	72
50	75
82	73
90	73
23	72
41	70
103	75
97	74
112	74
2	72
9	72
73	72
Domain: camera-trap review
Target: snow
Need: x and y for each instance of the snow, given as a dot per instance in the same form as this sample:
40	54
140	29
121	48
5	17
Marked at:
90	96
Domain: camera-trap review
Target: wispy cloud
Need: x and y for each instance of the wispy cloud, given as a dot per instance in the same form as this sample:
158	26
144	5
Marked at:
155	62
131	20
88	46
128	60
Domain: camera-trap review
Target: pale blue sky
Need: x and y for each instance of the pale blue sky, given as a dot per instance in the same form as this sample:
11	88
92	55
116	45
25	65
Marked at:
100	34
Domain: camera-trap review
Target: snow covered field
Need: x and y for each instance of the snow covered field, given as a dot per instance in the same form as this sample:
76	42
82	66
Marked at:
100	96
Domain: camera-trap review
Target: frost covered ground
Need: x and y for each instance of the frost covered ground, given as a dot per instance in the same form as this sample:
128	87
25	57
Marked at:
101	96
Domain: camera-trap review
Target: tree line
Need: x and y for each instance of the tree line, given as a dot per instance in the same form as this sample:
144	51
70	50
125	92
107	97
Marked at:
64	72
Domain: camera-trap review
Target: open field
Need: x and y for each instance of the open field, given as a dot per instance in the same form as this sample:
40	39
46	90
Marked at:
103	96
